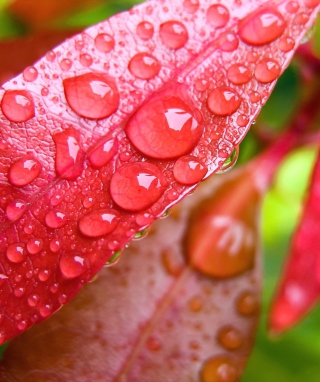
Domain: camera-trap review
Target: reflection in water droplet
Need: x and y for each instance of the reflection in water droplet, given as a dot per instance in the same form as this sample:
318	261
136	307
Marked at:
142	234
145	30
114	259
99	222
166	126
3	278
92	95
189	170
72	265
220	368
223	101
230	338
230	162
308	35
144	66
267	70
137	186
218	15
173	34
17	105
262	27
104	42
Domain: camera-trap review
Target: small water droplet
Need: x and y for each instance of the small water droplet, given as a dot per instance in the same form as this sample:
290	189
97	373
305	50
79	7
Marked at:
167	126
137	186
189	170
92	95
44	92
267	70
55	245
223	101
69	154
24	171
195	304
65	64
72	265
33	300
201	85
15	209
3	279
103	152
191	6
79	45
254	97
230	162
219	369
30	74
228	42
144	66
230	338
17	105
45	310
86	60
142	234
145	30
218	15
19	291
114	259
104	42
144	219
99	222
242	120
153	343
239	74
172	263
247	304
44	275
34	246
173	34
286	44
262	26
16	253
22	325
311	3
51	56
292	7
55	219
54	288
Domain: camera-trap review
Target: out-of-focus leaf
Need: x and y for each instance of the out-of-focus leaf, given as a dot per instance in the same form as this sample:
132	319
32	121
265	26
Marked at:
149	318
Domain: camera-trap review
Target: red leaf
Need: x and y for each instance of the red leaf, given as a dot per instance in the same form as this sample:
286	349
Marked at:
150	318
191	96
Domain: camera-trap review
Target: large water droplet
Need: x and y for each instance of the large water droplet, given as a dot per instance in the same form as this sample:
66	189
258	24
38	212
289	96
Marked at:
55	219
99	222
15	209
137	186
191	6
166	126
16	253
103	152
104	42
173	34
144	66
145	30
230	162
218	15
17	105
24	171
92	95
247	304
239	74
69	155
230	338
267	70
72	265
223	101
30	74
262	27
189	170
219	369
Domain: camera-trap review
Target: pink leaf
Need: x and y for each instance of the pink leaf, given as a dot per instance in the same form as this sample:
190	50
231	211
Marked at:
186	99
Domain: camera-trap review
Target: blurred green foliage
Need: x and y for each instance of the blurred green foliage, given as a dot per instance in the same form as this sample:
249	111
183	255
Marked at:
295	356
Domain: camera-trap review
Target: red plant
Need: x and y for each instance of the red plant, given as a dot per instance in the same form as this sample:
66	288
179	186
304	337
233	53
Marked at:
116	125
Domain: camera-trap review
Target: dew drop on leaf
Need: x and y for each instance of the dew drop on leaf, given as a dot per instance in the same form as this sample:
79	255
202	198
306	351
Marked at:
230	162
223	101
145	30
45	310
92	95
166	126
191	6
16	252
262	27
99	222
34	246
173	34
286	44
218	15
230	338
55	219
104	42
72	265
33	300
219	369
65	64
15	209
144	66
267	70
239	74
311	3
247	304
30	74
17	105
142	234
103	152
137	186
24	171
228	42
55	245
86	60
114	259
189	170
292	7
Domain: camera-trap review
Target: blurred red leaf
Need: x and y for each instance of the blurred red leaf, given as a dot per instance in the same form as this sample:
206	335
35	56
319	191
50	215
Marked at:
149	318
